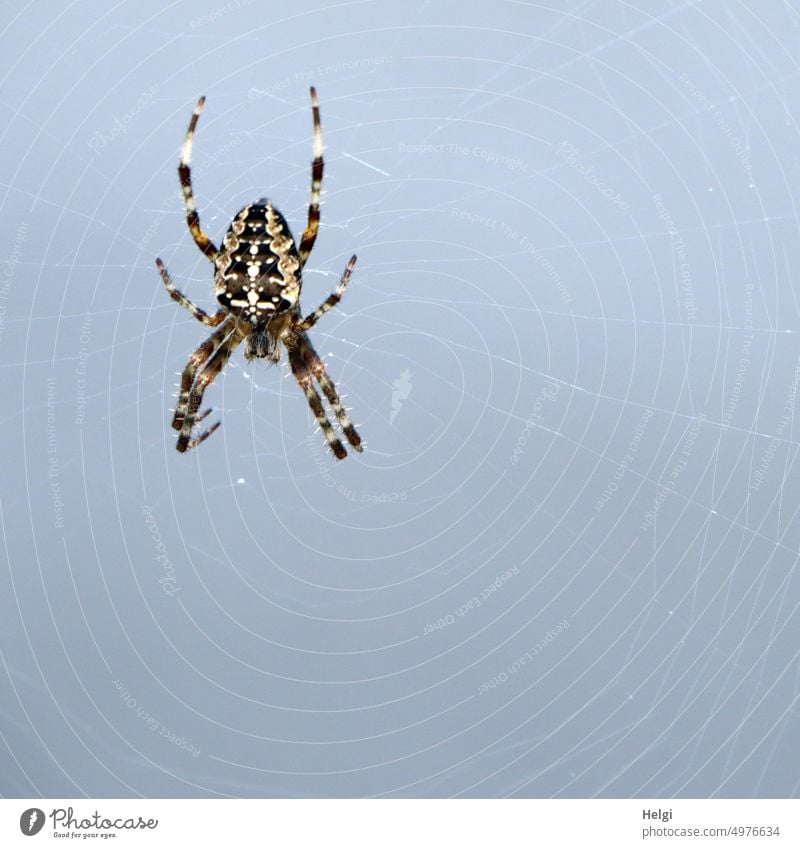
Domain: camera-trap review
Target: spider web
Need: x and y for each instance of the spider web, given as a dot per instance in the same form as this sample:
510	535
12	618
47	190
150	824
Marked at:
565	564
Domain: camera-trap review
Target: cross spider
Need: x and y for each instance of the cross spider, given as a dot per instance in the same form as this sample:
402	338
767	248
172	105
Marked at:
257	281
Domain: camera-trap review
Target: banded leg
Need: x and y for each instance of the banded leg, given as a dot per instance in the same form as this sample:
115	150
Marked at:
216	362
308	322
196	360
317	166
317	367
305	380
192	218
197	312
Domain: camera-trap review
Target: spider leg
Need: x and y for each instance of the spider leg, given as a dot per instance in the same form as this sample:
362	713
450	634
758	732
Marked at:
192	218
197	312
196	360
317	166
304	377
308	322
214	365
317	368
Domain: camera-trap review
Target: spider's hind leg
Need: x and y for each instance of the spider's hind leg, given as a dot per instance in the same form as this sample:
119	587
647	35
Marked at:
317	167
184	172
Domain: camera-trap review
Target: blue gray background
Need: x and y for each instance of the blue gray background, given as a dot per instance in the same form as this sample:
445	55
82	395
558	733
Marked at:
566	564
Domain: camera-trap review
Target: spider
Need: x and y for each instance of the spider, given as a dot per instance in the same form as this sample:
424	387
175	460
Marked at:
257	281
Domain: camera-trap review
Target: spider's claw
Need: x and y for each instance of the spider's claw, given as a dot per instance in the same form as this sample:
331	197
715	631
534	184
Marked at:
185	443
203	436
354	439
202	415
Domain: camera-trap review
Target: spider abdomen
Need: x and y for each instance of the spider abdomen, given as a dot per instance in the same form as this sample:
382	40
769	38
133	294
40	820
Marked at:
258	269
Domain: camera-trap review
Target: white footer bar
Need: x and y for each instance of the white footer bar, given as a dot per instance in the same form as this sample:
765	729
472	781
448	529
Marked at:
401	823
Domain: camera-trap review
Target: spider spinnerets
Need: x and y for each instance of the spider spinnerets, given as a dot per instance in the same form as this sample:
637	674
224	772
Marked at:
257	282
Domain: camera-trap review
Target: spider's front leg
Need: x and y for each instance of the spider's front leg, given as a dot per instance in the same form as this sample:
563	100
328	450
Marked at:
211	369
317	368
305	379
196	360
193	386
306	367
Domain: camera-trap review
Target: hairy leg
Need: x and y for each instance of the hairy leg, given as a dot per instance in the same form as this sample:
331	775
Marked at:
197	312
198	358
317	369
317	167
184	172
308	322
305	380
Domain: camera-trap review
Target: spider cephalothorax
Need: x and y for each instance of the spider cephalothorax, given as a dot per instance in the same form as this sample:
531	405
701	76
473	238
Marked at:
257	283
